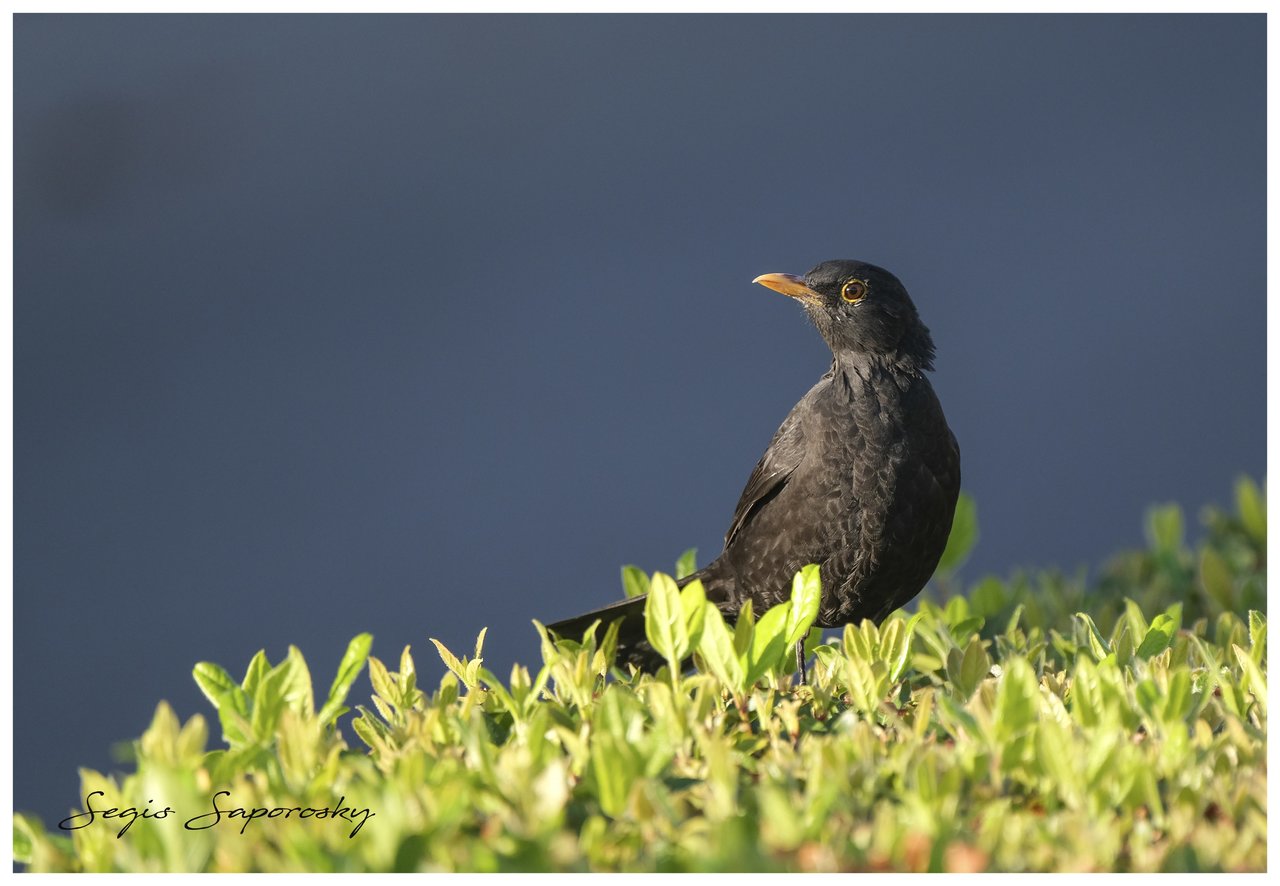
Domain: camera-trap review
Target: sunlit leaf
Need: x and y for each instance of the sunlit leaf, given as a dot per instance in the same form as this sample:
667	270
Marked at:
1252	506
664	622
717	650
963	537
806	597
1164	527
687	564
635	581
348	670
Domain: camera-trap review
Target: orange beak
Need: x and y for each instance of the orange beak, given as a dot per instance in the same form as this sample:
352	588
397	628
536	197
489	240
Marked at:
787	284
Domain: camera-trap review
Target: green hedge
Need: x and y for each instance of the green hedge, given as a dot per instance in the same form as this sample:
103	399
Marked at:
1040	723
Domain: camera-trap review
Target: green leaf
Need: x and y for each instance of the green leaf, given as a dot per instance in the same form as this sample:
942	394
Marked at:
1164	527
1216	579
687	564
956	611
24	837
635	582
409	673
717	650
1086	694
768	643
1054	754
743	630
806	596
547	647
1122	645
505	698
613	769
219	688
1158	637
274	692
1257	636
968	626
257	669
1255	681
453	663
228	698
296	690
963	537
1100	648
1177	697
989	597
896	647
664	620
1017	698
1252	506
974	666
348	670
381	681
891	643
854	643
693	608
954	665
1137	621
366	731
609	642
868	683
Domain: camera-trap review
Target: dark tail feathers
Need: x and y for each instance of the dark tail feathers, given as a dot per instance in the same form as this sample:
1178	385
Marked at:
633	645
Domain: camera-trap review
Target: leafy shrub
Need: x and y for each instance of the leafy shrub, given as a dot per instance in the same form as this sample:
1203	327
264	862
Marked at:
1039	723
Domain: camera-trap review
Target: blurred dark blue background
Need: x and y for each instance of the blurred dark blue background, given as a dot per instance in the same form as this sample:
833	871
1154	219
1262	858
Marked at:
415	325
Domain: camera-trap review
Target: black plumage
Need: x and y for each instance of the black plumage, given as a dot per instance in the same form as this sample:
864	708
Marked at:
861	478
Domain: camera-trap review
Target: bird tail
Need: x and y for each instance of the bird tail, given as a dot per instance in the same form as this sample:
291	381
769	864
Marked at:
633	644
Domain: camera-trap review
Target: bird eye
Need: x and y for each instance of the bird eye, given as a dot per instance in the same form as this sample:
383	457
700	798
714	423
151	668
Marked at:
854	291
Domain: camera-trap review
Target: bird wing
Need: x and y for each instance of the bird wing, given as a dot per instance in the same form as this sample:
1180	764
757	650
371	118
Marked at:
777	464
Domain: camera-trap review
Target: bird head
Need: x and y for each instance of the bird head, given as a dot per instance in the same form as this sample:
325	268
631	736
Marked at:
862	311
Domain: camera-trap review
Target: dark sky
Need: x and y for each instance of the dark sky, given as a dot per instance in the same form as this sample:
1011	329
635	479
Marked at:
419	324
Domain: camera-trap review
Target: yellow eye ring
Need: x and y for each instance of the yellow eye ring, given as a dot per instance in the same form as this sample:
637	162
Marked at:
854	291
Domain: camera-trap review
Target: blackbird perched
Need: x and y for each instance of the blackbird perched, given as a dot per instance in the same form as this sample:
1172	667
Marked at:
861	478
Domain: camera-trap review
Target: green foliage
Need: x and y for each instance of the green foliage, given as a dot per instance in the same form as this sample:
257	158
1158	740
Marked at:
1036	723
963	537
687	564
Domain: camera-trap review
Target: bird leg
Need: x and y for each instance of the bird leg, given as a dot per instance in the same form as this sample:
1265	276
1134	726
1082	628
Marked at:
804	676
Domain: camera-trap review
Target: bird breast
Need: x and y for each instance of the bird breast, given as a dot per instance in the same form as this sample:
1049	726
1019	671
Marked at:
892	470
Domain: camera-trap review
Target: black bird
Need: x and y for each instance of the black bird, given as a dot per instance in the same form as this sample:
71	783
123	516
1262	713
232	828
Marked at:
861	478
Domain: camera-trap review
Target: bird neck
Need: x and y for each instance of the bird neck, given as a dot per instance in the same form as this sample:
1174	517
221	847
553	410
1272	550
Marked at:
867	366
